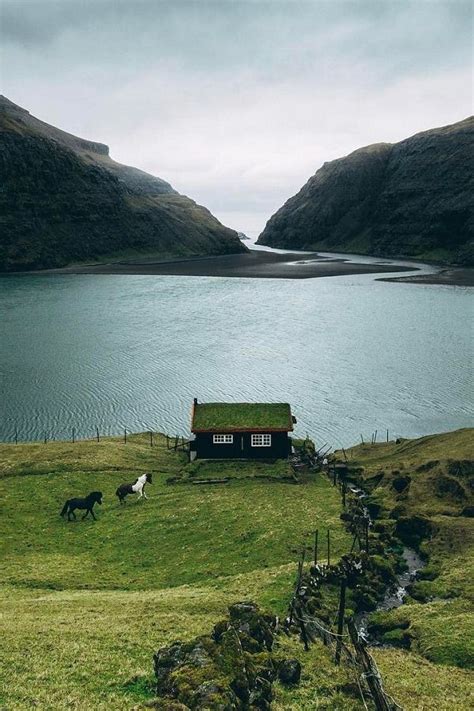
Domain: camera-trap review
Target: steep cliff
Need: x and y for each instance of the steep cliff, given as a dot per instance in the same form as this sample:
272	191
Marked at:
414	199
64	200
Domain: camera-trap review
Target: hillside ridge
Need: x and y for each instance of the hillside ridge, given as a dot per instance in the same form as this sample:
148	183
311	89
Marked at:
409	199
66	201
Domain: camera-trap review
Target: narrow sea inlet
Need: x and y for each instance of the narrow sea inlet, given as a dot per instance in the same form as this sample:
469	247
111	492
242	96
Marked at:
351	354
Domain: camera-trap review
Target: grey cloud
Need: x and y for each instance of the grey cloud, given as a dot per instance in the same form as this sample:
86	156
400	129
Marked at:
237	103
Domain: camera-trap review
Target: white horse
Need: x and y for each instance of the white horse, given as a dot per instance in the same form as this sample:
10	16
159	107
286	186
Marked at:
137	488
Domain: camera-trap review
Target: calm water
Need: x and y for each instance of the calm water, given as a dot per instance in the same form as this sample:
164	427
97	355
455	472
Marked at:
351	354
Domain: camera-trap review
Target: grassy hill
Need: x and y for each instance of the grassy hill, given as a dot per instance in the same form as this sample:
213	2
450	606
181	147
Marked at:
423	491
84	605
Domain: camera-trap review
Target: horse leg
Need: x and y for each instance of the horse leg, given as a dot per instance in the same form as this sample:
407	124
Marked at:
85	514
93	516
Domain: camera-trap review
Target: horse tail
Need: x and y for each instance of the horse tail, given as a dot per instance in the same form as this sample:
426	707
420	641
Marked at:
65	508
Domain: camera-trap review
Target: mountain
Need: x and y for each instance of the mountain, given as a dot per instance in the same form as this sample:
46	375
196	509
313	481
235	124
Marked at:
410	199
64	200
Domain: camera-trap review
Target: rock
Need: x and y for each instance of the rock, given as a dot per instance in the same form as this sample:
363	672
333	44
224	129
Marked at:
289	671
468	511
230	670
411	199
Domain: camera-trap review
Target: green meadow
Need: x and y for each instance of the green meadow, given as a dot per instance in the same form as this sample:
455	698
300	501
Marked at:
83	605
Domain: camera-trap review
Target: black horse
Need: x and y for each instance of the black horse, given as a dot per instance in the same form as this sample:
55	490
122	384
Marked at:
87	503
137	488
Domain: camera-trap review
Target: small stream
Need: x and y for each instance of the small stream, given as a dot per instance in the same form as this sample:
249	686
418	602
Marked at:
395	596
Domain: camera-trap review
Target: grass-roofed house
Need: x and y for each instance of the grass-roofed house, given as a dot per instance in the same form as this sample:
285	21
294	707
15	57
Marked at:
244	430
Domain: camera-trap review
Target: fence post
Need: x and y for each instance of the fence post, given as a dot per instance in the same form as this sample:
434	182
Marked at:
45	438
97	433
73	435
151	438
387	435
125	436
370	673
167	442
340	620
16	436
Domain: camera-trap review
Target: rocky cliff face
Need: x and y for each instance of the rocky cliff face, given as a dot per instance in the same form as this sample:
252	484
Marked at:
64	200
414	198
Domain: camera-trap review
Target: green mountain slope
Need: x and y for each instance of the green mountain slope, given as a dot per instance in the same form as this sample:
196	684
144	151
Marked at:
64	200
409	199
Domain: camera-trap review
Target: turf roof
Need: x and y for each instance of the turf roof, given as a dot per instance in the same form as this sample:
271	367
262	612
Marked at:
242	416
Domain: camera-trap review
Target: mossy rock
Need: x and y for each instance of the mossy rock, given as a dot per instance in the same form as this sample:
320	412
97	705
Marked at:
448	486
413	529
383	567
385	621
397	638
429	572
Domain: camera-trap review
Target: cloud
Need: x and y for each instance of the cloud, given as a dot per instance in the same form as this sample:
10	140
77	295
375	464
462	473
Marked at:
237	103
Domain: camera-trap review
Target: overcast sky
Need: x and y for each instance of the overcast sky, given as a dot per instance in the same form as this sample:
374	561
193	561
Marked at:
238	103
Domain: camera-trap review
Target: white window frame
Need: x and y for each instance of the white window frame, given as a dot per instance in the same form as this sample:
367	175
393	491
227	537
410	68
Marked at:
222	439
261	440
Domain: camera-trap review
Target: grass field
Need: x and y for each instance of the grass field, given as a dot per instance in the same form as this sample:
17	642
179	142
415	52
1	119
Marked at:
83	605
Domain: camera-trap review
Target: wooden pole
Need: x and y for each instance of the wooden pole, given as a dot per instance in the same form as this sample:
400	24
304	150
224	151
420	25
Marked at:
167	442
370	675
125	436
329	547
375	436
316	533
340	620
304	636
45	438
73	435
387	435
97	434
16	436
344	453
362	439
151	438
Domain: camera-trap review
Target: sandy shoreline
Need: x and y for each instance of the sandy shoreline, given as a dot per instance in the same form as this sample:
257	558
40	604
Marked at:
449	277
254	264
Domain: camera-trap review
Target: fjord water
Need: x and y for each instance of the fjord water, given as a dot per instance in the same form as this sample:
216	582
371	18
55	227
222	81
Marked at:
352	354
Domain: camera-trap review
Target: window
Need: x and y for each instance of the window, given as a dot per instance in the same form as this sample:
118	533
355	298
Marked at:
261	440
222	439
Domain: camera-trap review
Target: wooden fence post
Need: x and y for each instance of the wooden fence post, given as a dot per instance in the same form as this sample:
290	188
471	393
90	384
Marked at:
370	672
387	435
340	620
151	438
73	435
97	433
125	436
16	436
